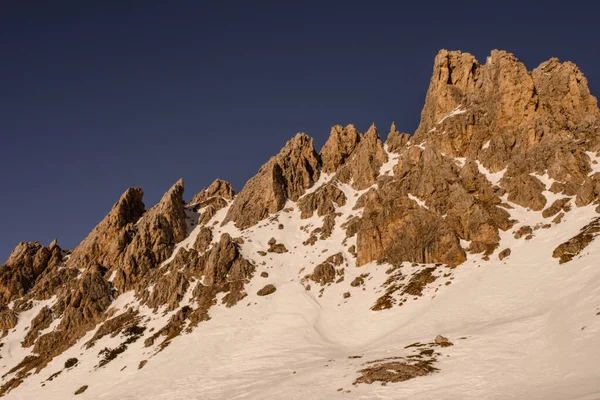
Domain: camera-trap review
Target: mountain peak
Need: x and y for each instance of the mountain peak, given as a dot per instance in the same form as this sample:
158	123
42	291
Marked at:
362	253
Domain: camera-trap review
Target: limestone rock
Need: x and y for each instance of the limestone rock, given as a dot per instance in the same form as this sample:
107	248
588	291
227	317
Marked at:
8	319
556	207
285	176
109	239
564	93
504	253
39	323
324	273
81	390
523	231
572	247
362	168
224	262
341	144
267	290
396	229
25	265
218	188
157	232
526	191
396	140
323	201
278	248
442	341
203	240
506	116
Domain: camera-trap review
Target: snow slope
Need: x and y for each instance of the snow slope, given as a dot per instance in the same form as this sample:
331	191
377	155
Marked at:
525	327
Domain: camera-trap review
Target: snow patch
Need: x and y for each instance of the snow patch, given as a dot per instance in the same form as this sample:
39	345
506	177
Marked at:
457	111
594	162
420	202
494	178
388	167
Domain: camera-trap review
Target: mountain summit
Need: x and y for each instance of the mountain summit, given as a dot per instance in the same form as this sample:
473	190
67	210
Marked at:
456	262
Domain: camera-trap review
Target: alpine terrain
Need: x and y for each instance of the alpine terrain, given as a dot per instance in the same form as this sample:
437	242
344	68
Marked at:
457	262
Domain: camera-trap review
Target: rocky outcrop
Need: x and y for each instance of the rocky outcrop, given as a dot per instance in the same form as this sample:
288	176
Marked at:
126	244
491	137
323	201
224	263
395	229
26	264
285	176
267	290
341	144
211	200
573	247
556	207
39	323
362	168
108	241
157	232
325	272
422	212
218	188
478	120
504	253
508	117
8	319
221	268
396	140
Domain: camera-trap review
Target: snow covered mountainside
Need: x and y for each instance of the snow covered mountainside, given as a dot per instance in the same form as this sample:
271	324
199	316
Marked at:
461	262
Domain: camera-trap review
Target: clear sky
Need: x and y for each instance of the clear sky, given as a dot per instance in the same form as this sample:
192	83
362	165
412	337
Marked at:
96	97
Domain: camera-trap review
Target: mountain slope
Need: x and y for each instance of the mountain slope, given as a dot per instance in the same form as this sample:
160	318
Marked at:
331	274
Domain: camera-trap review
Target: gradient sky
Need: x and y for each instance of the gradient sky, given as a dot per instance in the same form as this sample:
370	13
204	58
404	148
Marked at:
98	98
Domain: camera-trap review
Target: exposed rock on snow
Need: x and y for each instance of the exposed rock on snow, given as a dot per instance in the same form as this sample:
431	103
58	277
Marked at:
267	290
501	153
285	176
504	253
442	341
573	247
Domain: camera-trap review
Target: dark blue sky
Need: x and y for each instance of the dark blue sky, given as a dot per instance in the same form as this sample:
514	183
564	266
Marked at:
97	98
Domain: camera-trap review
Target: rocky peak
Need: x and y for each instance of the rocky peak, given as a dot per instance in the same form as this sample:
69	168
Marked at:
128	209
53	244
171	207
396	140
468	102
340	145
563	92
153	239
218	188
285	176
509	118
108	239
362	168
26	263
441	200
131	241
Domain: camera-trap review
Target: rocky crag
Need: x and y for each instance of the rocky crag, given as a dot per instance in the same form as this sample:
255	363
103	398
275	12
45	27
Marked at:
492	137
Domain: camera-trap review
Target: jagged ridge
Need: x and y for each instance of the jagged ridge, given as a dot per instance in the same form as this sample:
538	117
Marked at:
491	137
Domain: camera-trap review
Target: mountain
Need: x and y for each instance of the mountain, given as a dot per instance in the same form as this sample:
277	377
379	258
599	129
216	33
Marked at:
458	262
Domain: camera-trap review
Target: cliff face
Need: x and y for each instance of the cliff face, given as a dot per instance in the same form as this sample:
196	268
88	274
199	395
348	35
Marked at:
488	134
492	138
